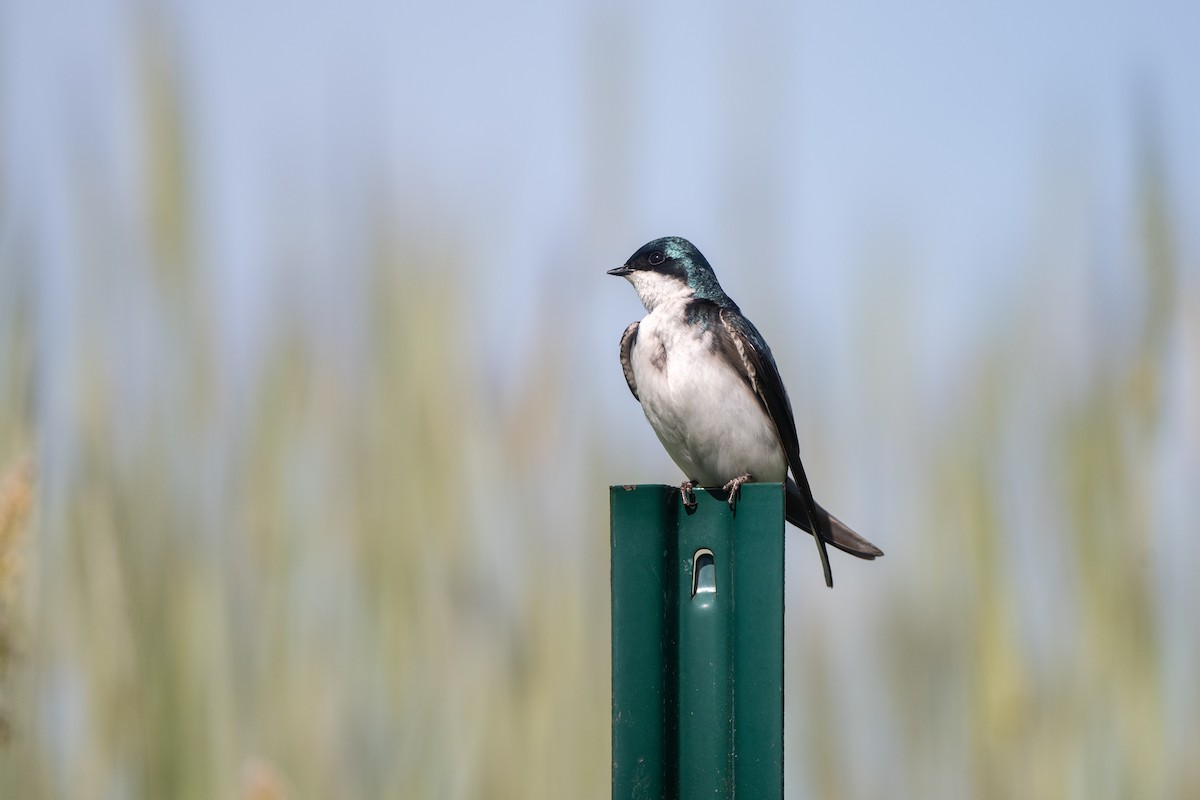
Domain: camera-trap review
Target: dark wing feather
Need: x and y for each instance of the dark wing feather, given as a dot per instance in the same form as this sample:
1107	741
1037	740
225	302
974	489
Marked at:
627	340
746	350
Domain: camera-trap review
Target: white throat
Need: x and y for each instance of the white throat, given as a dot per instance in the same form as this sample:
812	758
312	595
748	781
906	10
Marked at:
654	288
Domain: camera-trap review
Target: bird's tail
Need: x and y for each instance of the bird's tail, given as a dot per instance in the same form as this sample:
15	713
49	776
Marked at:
833	530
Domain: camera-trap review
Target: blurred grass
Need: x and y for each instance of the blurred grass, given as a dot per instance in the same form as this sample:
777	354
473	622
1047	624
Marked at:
278	589
291	595
293	588
1082	712
16	500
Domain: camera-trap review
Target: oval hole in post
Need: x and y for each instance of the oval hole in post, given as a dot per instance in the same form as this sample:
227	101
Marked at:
704	572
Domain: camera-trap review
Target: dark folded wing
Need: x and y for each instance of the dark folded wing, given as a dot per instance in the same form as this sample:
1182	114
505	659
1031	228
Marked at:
748	351
627	340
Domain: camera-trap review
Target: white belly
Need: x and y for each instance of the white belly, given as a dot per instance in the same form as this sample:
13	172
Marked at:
704	413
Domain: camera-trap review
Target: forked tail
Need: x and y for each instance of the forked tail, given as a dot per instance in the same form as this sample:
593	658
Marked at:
833	530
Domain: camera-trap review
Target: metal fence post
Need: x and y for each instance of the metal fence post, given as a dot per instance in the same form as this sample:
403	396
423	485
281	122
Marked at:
697	644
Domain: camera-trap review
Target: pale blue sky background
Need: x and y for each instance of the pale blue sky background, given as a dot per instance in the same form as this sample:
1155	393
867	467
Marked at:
855	130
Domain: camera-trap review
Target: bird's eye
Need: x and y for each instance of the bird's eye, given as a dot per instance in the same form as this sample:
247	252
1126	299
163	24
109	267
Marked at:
656	258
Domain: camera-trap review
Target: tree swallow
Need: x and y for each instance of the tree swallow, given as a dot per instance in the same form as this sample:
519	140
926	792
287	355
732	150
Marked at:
709	387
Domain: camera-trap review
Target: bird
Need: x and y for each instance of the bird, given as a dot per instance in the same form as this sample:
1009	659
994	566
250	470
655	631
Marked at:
709	387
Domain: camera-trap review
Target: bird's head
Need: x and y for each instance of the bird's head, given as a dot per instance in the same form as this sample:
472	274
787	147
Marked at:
670	268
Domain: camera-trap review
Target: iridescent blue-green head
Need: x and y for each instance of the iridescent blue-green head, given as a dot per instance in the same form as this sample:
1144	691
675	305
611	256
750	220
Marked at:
671	268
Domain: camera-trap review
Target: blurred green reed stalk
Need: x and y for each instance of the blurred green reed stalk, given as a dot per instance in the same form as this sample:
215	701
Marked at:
16	500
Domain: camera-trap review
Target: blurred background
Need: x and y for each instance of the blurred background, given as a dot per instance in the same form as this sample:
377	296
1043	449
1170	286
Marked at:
309	392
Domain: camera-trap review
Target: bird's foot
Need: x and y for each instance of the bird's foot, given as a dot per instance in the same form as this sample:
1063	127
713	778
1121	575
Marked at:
688	496
734	487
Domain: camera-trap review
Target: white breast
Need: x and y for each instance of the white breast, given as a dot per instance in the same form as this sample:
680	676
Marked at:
704	413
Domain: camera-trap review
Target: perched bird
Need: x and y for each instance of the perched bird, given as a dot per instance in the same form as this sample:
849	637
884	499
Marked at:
710	389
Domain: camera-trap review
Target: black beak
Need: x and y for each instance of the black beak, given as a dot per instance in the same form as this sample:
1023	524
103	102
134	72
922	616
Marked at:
621	271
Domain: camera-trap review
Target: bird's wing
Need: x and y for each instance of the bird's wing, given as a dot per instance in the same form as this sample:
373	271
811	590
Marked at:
627	340
746	350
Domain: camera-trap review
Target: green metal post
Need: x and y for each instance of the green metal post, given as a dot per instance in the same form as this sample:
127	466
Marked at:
697	644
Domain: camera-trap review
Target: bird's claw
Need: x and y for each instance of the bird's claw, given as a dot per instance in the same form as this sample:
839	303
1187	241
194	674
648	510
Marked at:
688	496
734	487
